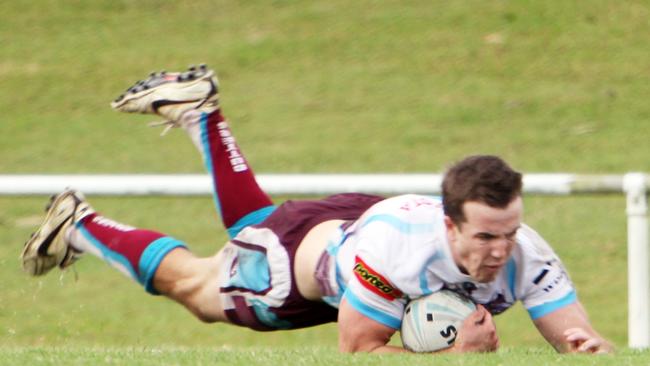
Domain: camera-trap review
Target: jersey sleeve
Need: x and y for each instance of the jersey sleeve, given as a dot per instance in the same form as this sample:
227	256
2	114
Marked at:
394	243
546	283
372	288
373	295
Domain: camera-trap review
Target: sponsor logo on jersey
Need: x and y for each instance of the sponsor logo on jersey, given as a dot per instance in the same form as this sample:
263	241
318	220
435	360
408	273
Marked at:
374	282
551	277
417	202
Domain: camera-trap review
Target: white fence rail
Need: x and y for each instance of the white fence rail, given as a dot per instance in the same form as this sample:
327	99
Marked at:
281	184
634	185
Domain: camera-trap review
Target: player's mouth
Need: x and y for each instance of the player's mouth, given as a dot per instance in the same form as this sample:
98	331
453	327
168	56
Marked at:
493	267
487	273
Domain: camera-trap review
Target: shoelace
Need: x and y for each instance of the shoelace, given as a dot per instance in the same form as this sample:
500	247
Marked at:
74	271
187	118
168	125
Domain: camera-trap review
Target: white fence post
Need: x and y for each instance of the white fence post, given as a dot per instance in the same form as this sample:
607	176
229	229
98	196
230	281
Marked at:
638	261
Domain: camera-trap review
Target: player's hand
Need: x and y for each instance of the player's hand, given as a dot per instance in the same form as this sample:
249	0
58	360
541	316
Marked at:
582	342
478	333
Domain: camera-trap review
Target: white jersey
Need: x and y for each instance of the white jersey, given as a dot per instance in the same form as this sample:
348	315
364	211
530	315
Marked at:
398	251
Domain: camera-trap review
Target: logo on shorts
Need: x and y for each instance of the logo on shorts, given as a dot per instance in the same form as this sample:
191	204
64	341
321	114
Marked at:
375	282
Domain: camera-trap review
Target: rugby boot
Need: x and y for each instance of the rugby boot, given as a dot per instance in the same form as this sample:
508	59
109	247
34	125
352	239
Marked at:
170	95
47	247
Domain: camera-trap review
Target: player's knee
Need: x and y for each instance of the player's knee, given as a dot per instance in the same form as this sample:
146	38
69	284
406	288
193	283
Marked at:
206	317
204	302
208	313
198	290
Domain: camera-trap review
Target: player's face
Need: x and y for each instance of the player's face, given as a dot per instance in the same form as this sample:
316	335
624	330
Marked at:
482	244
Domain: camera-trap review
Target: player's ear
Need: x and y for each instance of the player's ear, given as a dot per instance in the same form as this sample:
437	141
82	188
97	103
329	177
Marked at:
451	232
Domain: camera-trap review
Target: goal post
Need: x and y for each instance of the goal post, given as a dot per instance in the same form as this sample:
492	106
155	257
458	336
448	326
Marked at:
634	185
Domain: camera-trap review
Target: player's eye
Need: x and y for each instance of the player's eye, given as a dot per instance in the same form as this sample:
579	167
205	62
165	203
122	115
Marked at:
485	236
511	236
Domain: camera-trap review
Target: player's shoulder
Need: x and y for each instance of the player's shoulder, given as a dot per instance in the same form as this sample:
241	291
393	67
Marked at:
400	223
405	215
401	238
532	245
541	277
410	204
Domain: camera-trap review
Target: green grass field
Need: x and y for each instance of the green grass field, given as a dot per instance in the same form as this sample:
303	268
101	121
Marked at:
336	86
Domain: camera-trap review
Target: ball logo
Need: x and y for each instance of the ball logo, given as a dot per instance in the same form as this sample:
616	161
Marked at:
375	282
449	334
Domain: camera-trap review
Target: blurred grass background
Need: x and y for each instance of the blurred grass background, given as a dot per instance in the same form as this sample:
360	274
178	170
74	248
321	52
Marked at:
336	86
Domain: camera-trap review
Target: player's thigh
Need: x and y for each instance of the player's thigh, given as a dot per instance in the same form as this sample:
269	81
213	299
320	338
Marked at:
192	281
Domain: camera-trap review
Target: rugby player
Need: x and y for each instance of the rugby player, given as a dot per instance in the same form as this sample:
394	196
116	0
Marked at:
352	258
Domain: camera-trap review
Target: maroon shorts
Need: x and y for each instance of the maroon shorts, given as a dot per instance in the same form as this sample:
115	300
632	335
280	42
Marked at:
259	290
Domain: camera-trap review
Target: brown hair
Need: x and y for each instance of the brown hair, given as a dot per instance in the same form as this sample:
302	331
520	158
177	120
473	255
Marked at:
480	178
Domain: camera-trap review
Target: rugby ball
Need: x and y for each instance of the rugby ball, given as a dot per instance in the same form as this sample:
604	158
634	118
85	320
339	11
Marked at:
431	323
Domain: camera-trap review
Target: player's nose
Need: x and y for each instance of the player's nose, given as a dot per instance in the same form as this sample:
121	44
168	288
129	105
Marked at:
499	248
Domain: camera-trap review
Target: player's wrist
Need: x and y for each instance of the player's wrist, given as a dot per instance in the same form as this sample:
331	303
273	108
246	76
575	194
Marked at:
453	349
457	347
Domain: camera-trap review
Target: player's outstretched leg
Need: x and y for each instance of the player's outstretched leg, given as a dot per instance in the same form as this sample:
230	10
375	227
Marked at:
161	264
71	227
190	100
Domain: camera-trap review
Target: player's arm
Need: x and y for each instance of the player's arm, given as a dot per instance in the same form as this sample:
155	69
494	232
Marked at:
359	333
550	298
568	330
